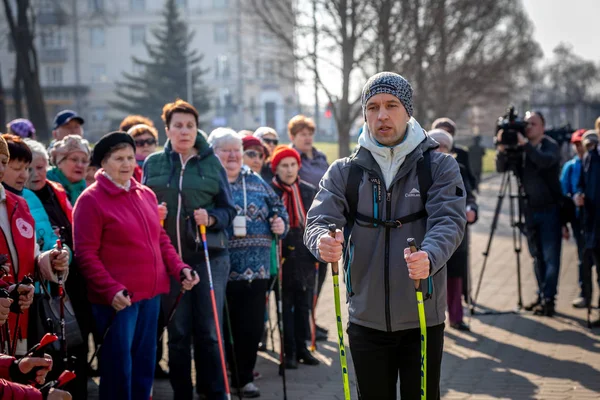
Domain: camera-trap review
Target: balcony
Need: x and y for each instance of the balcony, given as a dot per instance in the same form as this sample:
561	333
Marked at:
52	55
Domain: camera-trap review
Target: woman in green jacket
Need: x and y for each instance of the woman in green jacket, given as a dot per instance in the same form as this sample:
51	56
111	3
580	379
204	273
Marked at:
189	178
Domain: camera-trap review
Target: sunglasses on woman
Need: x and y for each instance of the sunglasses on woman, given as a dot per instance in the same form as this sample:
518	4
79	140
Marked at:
144	142
273	142
254	154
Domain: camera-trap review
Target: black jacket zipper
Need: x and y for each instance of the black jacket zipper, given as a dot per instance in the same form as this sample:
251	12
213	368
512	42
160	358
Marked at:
388	208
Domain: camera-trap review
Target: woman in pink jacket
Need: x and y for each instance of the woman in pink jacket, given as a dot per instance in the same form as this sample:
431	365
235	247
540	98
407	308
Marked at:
126	259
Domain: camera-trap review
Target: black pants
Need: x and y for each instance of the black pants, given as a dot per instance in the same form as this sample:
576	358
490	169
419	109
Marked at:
296	306
591	257
380	356
246	303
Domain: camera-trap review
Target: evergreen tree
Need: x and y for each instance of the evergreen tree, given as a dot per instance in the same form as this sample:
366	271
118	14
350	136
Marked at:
164	75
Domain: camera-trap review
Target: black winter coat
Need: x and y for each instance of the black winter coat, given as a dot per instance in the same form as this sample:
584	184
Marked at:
298	262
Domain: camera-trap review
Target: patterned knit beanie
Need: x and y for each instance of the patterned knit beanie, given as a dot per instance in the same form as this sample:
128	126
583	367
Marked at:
390	83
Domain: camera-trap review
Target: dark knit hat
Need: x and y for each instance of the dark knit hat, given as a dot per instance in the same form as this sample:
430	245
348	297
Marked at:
107	142
282	152
4	147
390	83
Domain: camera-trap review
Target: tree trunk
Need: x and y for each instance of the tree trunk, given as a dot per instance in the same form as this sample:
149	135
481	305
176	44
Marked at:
17	94
28	66
2	104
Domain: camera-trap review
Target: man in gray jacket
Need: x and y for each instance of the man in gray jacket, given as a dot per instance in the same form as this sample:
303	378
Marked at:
394	155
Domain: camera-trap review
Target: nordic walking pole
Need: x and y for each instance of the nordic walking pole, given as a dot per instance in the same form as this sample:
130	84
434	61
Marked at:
279	304
338	316
27	280
313	331
268	314
174	307
235	368
213	300
105	334
61	295
422	323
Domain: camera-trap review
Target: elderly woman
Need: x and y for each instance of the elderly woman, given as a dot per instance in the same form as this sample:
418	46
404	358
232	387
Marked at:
269	138
299	265
146	140
190	179
458	264
125	274
53	199
250	250
18	242
71	156
255	153
301	131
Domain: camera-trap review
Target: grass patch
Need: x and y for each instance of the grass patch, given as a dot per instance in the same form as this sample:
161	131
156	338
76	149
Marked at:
489	161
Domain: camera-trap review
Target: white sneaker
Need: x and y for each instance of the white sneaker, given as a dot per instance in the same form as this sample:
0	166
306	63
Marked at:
250	391
579	302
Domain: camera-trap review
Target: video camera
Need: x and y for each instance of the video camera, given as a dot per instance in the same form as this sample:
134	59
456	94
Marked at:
561	134
510	125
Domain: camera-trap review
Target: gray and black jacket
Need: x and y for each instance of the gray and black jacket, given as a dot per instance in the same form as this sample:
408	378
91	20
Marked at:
380	294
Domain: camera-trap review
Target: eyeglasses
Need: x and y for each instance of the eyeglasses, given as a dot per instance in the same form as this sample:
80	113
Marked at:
144	142
75	160
254	154
273	142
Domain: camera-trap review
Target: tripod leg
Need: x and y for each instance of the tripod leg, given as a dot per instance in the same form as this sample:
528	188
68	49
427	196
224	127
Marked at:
516	223
501	194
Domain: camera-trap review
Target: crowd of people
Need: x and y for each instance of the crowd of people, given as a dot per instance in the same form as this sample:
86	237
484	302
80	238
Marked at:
117	223
116	233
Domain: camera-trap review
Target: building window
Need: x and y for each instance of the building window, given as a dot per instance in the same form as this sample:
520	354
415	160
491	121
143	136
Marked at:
54	75
98	73
181	3
221	33
97	36
258	70
138	34
222	68
96	5
52	38
137	5
220	3
270	109
138	69
269	69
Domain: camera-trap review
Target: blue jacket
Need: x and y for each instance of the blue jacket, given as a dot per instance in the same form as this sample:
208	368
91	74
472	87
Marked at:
570	175
251	255
45	235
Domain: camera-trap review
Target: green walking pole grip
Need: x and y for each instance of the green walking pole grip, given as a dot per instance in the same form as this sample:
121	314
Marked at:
412	245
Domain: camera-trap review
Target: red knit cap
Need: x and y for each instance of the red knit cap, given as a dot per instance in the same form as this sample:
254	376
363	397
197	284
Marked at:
281	152
578	135
251	141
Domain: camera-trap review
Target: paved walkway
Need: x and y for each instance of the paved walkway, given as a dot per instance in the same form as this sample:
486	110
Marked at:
506	356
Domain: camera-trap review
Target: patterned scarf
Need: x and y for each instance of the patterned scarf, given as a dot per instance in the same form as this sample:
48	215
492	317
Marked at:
293	202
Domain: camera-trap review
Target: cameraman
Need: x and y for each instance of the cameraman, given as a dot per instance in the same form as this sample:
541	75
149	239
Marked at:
538	165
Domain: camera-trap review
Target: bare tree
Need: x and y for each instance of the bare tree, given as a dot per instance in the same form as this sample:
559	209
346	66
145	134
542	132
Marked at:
453	51
2	103
21	31
345	32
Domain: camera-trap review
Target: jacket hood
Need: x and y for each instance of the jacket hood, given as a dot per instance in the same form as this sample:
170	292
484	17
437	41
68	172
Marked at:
390	159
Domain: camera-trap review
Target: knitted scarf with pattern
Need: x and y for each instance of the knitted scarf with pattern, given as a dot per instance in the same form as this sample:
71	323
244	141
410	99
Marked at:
293	202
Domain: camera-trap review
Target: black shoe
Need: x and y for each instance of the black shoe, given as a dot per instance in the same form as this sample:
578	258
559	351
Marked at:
323	330
461	326
160	373
546	309
290	363
321	336
304	357
533	305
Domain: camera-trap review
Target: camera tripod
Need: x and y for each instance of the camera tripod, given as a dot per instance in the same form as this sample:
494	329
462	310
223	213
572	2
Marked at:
517	225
